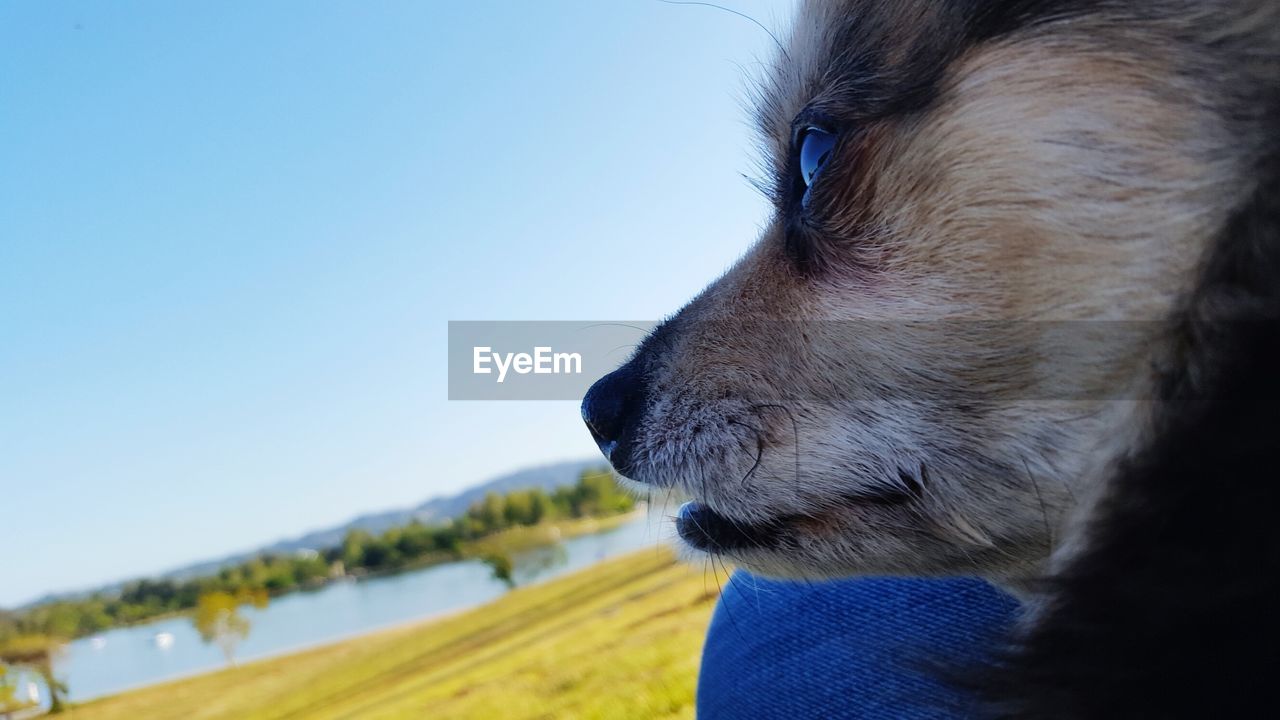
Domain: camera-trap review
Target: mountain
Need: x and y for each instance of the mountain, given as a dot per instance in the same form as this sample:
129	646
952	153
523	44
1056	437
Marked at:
547	477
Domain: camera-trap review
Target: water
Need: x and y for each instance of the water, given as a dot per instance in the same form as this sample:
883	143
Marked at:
132	657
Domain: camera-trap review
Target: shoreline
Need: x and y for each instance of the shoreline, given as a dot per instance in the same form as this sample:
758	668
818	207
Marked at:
541	642
576	528
527	539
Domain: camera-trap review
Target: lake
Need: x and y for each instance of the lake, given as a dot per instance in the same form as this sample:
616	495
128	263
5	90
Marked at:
132	657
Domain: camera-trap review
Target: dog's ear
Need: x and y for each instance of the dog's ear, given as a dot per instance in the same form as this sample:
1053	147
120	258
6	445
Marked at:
1170	608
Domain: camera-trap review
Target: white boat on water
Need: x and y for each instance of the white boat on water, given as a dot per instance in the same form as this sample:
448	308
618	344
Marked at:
163	640
97	642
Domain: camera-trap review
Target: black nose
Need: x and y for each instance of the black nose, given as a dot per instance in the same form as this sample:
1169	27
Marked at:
612	410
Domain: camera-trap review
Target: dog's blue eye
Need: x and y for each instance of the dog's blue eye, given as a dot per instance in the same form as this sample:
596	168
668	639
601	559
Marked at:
815	146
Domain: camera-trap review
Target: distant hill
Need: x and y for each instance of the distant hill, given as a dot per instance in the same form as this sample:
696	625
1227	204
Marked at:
547	477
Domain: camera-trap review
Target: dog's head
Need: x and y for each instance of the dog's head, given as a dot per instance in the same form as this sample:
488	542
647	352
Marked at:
984	212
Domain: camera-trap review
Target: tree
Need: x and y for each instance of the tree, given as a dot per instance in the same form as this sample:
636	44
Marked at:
414	541
566	503
540	507
447	539
218	619
597	494
490	512
353	548
503	568
37	652
519	509
380	554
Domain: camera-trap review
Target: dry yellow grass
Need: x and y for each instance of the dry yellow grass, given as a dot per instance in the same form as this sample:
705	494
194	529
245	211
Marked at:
618	640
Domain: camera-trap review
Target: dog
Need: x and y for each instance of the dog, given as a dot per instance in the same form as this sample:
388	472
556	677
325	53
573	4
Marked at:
1016	314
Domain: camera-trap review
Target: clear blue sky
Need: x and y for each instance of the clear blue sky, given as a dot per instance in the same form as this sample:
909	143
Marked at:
232	234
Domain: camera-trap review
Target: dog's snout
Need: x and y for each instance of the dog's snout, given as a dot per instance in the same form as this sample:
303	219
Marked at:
612	409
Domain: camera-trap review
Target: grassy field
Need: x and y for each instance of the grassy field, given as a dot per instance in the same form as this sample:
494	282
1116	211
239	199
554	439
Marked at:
618	640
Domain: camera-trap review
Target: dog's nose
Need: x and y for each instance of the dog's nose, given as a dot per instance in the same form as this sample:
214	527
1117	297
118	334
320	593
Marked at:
611	410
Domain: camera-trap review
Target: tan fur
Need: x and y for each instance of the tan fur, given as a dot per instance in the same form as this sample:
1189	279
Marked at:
1068	173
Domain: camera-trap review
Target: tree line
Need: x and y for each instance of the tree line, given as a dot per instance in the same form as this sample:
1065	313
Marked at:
595	494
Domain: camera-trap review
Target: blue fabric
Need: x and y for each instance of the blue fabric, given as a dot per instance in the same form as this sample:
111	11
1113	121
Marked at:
867	648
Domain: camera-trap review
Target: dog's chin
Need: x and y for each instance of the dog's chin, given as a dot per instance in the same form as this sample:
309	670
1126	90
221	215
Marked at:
704	529
763	548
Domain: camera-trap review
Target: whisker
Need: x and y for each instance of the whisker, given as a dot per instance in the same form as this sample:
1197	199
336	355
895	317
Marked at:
1044	511
740	14
728	613
795	430
759	449
615	324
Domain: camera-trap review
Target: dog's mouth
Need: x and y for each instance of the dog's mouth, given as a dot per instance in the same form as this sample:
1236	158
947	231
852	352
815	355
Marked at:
709	531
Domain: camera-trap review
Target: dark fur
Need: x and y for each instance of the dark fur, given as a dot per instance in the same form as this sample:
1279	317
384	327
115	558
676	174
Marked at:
1172	609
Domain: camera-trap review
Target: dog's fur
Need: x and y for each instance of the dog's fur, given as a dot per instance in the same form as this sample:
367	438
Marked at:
874	388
